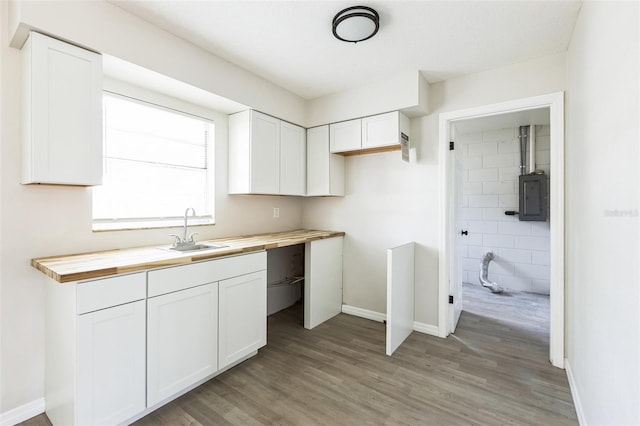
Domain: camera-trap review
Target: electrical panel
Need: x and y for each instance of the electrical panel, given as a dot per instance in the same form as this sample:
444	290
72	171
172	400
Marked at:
533	197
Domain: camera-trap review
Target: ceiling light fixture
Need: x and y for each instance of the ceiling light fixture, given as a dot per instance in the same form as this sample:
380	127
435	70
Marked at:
357	23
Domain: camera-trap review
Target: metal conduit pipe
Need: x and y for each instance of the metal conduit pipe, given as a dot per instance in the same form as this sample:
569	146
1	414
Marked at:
532	149
484	274
524	139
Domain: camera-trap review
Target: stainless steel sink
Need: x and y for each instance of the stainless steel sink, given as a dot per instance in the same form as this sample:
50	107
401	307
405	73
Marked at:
196	247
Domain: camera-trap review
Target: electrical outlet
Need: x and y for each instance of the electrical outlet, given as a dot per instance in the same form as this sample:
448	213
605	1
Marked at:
276	212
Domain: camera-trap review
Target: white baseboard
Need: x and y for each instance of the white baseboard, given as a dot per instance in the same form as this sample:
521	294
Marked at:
380	317
422	327
574	393
364	313
22	413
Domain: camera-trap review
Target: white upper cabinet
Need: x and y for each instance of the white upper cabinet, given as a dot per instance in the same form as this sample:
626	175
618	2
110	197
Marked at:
62	113
384	130
325	171
293	158
254	153
266	155
345	136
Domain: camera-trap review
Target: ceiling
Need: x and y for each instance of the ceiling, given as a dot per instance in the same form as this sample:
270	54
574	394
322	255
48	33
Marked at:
290	43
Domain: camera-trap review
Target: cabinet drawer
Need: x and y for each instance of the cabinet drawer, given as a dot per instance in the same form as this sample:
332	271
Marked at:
107	292
176	278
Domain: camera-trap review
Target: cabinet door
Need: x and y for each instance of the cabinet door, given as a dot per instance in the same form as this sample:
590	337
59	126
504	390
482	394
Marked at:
243	316
325	171
345	136
293	159
322	281
62	112
400	294
265	154
111	364
381	130
318	161
182	340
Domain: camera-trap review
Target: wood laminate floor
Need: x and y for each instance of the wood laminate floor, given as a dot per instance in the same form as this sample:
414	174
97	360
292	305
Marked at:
494	370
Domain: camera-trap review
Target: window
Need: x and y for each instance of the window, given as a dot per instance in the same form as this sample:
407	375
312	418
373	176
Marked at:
157	164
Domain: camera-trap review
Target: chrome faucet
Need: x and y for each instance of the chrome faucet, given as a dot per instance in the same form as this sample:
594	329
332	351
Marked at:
186	214
185	240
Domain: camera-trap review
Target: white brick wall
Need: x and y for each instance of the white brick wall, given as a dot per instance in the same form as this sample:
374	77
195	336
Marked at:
490	162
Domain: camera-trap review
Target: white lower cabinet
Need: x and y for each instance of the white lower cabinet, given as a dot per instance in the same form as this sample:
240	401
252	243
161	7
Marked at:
96	350
111	360
182	340
118	346
243	316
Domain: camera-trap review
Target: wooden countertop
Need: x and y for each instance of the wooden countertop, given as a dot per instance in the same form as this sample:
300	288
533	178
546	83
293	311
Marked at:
85	266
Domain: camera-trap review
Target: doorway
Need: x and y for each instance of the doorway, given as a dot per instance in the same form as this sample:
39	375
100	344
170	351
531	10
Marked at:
452	271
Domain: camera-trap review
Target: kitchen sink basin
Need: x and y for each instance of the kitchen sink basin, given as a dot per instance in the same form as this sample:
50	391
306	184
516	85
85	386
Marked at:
197	247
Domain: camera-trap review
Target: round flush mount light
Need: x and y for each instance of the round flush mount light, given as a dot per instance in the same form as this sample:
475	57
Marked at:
357	23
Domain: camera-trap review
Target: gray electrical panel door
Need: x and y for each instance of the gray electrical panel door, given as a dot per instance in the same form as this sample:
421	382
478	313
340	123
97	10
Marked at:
533	197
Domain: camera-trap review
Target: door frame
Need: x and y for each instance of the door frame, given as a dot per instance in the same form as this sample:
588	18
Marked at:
555	103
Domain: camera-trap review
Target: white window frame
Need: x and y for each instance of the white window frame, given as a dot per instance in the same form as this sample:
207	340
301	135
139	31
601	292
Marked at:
173	221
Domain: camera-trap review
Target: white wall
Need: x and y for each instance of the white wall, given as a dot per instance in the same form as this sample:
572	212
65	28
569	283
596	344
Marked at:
389	202
602	213
48	220
407	91
2	136
490	168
